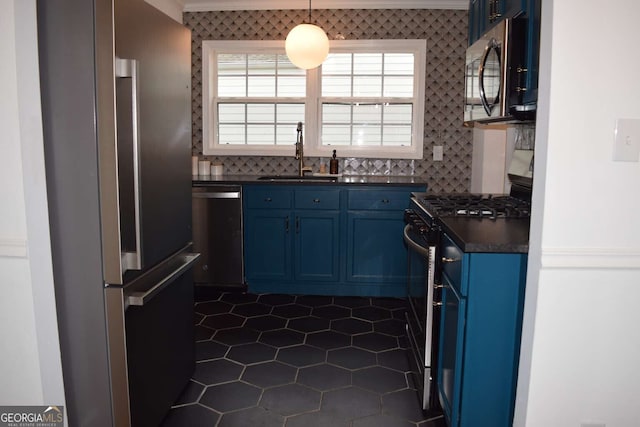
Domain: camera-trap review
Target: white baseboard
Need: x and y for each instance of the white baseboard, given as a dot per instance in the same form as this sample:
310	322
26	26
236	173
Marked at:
13	248
596	258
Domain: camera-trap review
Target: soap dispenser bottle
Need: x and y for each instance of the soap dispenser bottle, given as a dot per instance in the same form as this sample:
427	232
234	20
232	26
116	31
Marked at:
333	164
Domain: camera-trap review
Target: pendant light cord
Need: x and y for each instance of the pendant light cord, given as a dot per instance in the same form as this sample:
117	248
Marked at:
310	12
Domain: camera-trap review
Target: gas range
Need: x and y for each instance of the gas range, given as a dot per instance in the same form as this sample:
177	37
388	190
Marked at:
473	206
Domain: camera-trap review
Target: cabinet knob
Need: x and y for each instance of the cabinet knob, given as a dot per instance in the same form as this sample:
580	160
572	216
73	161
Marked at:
385	201
316	200
267	199
438	304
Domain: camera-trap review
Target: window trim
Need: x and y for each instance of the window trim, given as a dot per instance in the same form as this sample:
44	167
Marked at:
312	117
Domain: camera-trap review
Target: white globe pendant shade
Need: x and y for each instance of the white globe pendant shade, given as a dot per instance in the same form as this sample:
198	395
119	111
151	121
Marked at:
307	46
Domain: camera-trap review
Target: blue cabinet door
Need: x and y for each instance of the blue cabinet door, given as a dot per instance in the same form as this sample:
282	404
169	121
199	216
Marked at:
376	251
268	244
452	334
317	245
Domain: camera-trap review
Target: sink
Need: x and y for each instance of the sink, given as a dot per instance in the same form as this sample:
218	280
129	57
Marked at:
297	178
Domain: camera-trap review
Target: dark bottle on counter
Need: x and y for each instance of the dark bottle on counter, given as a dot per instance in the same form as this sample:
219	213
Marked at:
333	164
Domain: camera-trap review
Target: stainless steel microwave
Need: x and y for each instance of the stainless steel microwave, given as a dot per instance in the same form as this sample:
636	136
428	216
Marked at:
494	75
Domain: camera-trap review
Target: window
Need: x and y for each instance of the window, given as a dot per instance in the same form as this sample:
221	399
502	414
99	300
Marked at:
366	99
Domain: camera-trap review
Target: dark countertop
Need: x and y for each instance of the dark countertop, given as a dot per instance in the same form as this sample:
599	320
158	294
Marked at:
487	235
345	179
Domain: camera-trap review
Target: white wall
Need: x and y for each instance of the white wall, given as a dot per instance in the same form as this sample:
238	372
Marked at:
581	345
30	365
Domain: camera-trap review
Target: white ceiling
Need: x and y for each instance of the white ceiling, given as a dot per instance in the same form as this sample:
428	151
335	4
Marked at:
206	5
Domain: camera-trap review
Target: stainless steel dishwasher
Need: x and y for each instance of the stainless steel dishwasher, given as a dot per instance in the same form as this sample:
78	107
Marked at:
217	236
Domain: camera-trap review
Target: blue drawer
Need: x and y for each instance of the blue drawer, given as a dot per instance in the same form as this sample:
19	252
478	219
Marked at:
317	199
378	200
268	198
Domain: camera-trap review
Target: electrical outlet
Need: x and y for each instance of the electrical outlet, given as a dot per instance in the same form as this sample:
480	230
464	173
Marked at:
438	153
626	147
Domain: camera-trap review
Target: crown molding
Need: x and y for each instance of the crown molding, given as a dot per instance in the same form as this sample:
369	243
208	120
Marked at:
218	5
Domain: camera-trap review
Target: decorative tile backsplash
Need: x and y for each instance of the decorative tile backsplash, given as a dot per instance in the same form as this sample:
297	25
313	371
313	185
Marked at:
446	35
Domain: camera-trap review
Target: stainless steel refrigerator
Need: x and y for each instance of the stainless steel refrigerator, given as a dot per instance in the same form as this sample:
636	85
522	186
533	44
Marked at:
115	84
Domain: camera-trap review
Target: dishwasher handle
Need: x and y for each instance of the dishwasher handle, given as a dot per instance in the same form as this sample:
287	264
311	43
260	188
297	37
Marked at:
140	298
218	195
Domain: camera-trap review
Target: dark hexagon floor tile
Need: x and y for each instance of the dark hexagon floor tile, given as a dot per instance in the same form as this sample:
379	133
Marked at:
192	416
379	379
308	324
282	338
350	403
236	336
331	312
251	353
314	300
371	313
375	341
397	359
316	419
434	422
403	404
399	314
403	342
222	321
351	326
213	307
393	327
255	417
381	421
324	377
238	298
265	323
291	311
197	318
206	350
290	399
251	309
231	396
390	303
204	293
203	333
301	355
276	299
217	371
351	358
190	394
352	302
269	374
328	340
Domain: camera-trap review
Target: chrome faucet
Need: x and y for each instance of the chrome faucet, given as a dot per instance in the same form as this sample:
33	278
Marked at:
300	152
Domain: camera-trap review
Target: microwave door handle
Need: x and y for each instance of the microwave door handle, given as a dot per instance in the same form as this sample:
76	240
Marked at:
481	68
128	68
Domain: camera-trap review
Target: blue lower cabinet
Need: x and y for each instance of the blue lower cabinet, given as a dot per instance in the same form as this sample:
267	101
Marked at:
316	246
328	240
375	249
480	337
268	244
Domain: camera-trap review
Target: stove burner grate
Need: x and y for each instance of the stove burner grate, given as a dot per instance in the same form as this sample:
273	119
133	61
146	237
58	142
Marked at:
476	206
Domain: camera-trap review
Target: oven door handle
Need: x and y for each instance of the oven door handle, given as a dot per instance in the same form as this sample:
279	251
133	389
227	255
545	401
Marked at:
412	244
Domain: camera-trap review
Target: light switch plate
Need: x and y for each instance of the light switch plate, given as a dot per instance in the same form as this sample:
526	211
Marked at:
626	147
438	153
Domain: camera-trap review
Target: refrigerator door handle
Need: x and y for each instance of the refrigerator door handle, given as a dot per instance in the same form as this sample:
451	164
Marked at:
128	69
141	297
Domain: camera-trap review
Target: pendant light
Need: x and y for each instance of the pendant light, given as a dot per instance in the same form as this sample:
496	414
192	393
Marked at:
307	45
